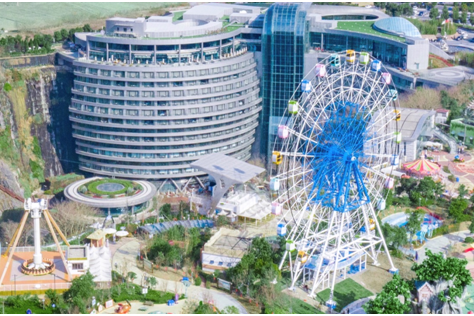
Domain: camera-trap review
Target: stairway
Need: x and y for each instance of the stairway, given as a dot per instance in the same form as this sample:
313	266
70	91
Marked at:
100	264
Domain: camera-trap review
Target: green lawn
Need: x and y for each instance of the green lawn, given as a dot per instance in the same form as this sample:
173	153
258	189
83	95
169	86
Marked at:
366	28
345	292
178	15
37	15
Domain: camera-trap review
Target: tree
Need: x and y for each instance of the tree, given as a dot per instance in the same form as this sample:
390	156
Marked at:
388	302
64	34
457	208
53	296
414	222
471	19
462	191
464	7
449	277
81	291
58	36
73	217
153	282
395	236
231	309
445	13
464	17
434	13
87	28
455	13
471	226
132	276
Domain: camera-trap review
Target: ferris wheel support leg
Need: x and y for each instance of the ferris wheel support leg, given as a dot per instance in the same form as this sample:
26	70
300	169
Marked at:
392	269
366	210
317	273
283	260
330	303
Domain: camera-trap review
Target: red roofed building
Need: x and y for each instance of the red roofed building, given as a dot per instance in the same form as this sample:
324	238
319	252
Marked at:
441	116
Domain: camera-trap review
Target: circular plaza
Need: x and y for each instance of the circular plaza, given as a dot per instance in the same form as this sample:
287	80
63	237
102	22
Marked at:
116	196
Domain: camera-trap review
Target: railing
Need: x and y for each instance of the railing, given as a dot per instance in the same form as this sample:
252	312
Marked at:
34	287
32	249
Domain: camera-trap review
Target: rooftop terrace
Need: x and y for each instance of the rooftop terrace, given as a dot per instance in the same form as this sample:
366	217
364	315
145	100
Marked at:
366	27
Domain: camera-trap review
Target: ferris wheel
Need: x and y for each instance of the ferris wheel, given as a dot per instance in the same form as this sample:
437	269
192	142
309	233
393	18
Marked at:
335	145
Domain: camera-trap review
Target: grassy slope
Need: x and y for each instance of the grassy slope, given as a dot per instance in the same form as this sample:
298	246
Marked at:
345	292
366	28
40	15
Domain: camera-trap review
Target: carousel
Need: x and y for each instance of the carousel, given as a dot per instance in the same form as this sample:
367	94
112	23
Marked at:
421	168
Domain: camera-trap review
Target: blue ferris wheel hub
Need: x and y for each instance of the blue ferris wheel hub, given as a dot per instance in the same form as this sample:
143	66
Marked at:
336	157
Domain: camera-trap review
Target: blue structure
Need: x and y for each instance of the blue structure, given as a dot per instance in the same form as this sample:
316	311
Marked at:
337	154
162	227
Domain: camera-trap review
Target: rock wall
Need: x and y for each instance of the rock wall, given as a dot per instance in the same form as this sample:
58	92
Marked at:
35	133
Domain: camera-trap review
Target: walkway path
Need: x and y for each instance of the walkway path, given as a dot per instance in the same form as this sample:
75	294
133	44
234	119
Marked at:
442	243
126	251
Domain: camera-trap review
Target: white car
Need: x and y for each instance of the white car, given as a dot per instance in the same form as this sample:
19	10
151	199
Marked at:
368	6
415	7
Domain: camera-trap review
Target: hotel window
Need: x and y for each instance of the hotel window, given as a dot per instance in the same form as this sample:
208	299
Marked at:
147	113
132	112
78	266
134	74
117	112
133	93
148	94
178	112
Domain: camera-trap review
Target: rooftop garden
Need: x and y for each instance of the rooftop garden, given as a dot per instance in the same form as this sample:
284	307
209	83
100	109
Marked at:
365	27
178	16
110	188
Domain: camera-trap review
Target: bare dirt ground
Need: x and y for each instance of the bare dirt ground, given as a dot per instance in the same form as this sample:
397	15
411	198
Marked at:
374	278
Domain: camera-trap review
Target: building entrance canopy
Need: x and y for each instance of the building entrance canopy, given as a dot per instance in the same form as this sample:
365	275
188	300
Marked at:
227	171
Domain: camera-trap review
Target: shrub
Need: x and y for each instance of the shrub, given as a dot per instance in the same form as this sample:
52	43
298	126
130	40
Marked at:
198	281
7	87
446	169
469	240
452	178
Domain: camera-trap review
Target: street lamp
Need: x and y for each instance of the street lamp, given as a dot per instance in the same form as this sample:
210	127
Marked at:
43	302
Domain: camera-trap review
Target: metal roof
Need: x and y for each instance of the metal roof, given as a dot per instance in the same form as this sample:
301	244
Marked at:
412	121
225	166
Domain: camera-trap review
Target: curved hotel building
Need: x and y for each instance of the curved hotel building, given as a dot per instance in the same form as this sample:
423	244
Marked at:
151	96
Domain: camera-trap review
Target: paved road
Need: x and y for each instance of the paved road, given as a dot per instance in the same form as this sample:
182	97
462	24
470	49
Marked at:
442	243
128	252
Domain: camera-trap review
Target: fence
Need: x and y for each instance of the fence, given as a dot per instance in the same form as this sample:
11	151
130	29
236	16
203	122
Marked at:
13	288
32	249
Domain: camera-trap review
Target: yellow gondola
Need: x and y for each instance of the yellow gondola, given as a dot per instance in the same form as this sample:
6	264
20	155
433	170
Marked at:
398	115
277	158
302	257
350	56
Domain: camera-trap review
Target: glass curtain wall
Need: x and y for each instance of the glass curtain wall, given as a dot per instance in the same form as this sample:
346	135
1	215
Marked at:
283	48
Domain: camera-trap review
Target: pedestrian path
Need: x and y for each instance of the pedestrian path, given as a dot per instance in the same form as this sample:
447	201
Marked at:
127	253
